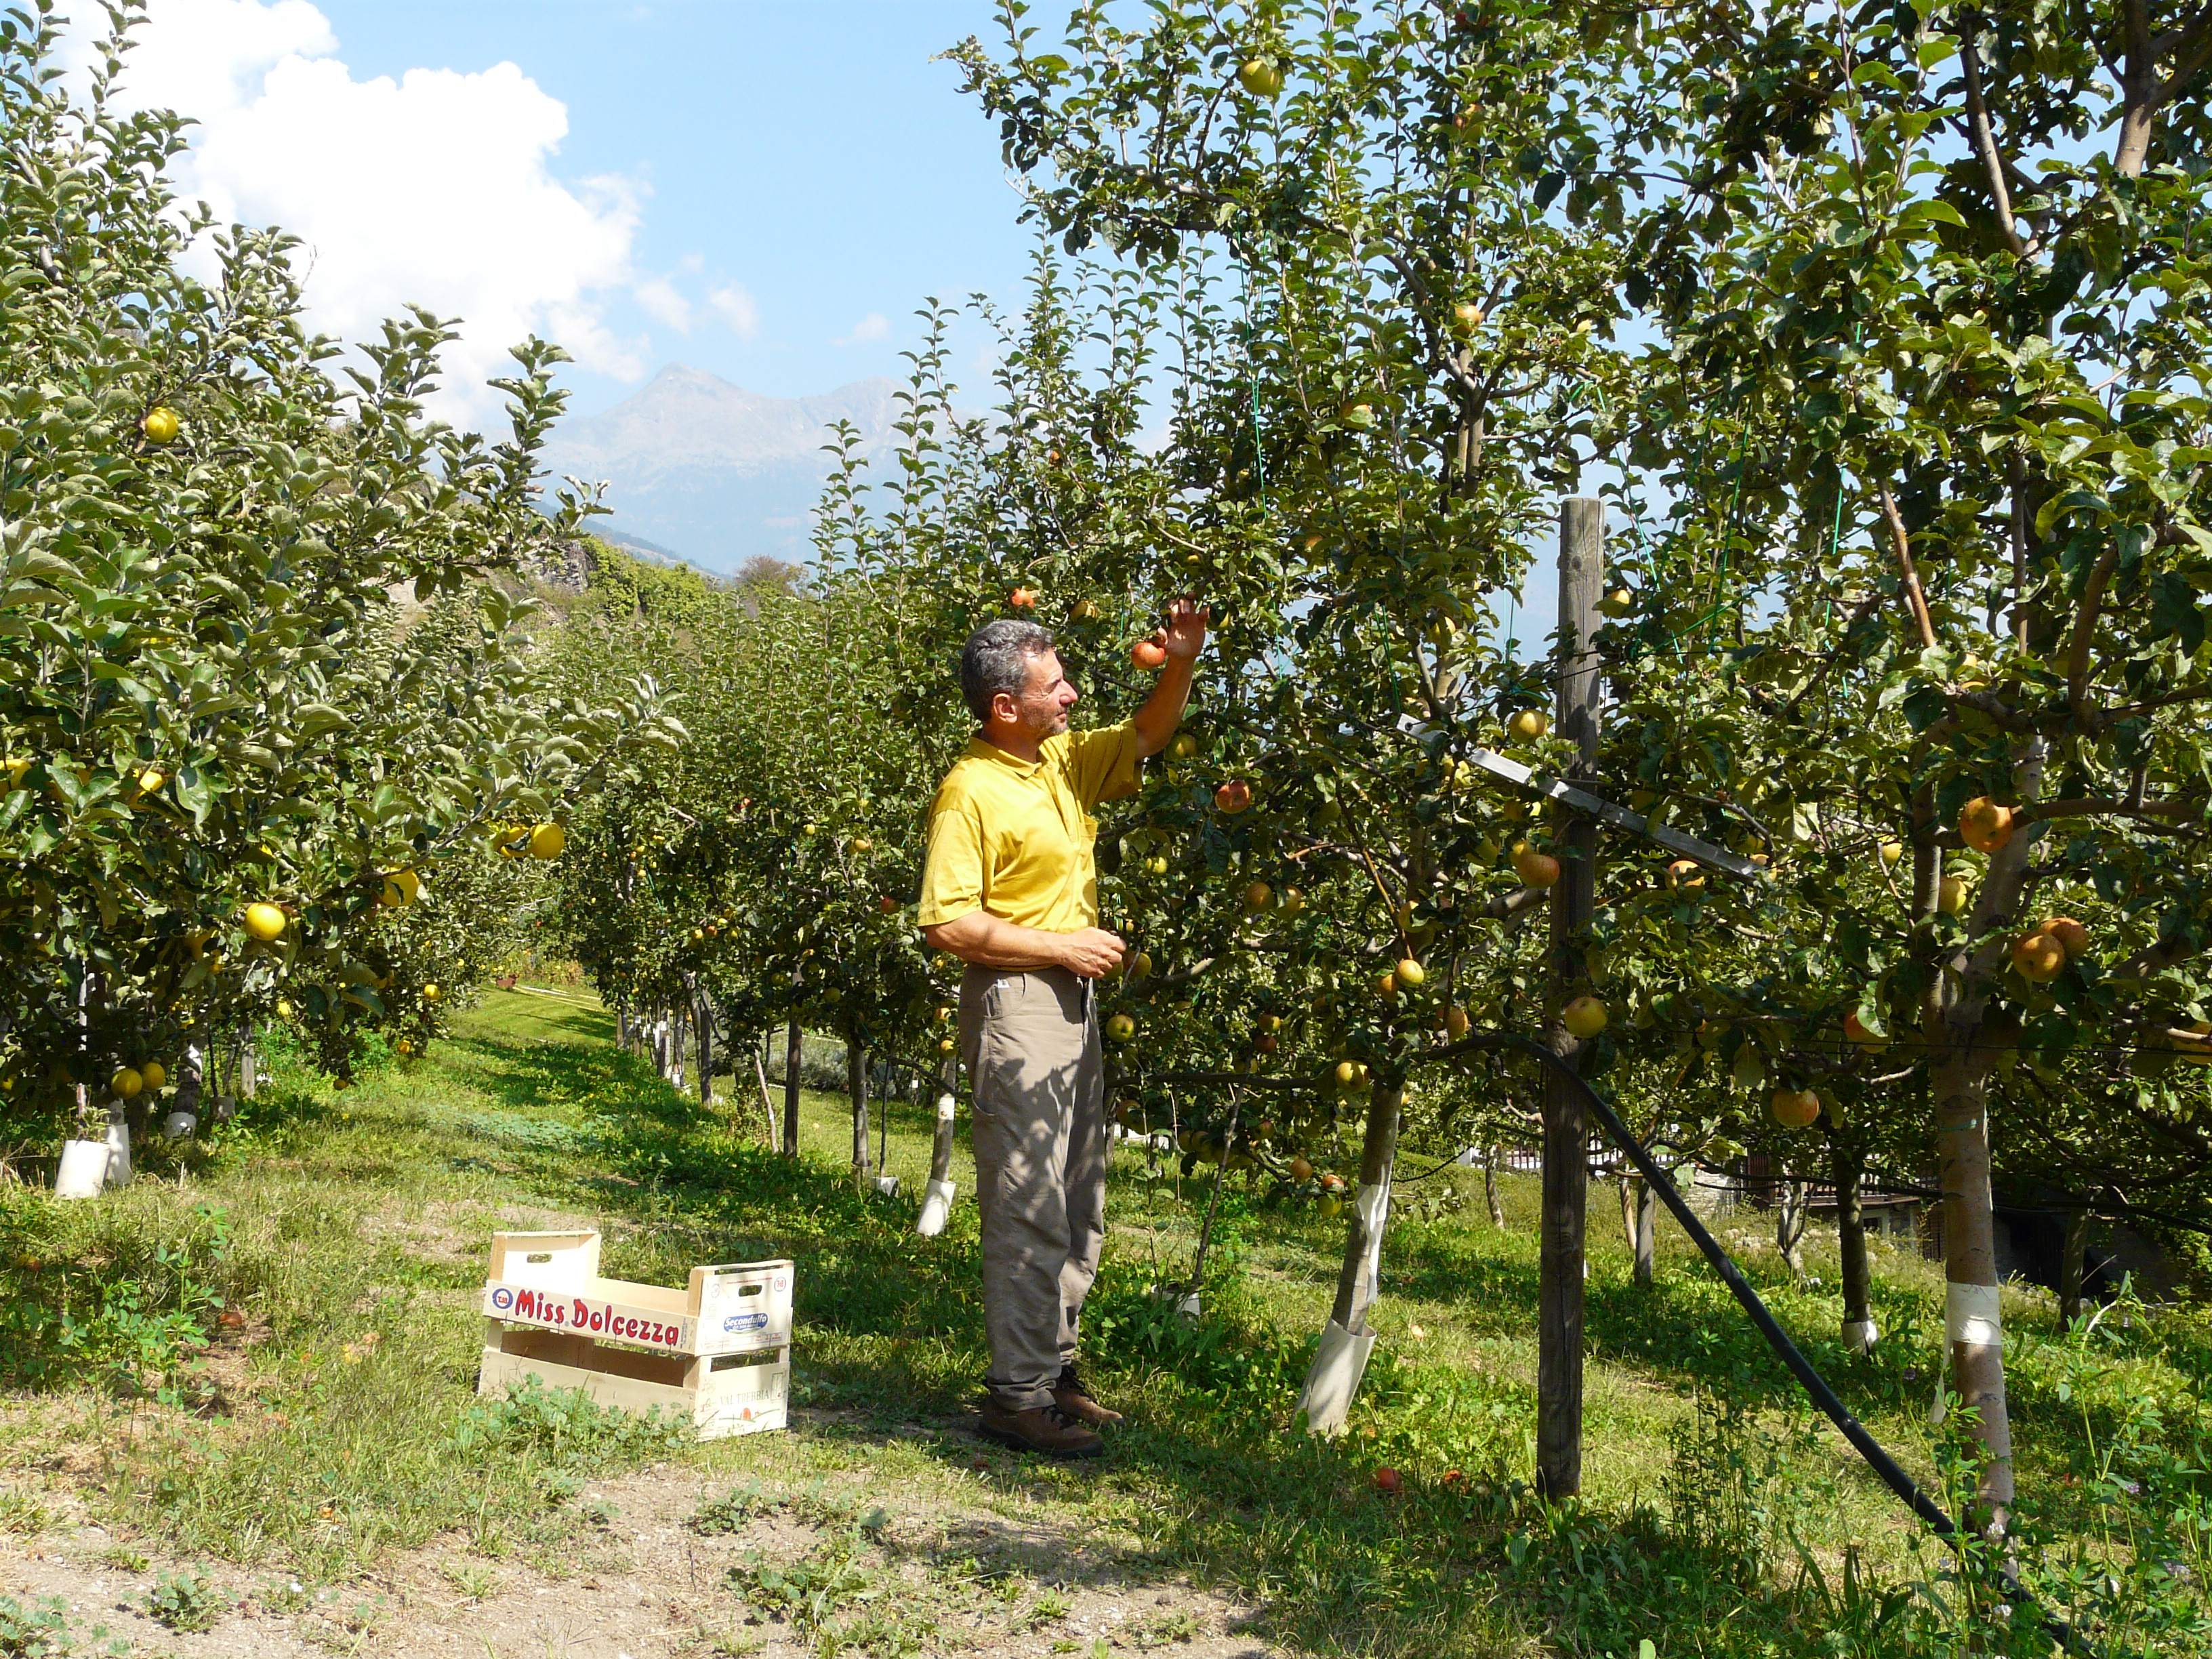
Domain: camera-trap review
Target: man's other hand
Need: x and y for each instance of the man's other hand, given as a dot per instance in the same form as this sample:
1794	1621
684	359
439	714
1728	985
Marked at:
1093	953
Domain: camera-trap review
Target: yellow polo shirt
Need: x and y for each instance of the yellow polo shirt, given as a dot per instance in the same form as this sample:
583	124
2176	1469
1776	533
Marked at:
1016	837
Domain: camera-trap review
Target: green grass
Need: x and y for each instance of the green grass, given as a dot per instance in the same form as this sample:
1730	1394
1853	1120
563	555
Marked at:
350	1229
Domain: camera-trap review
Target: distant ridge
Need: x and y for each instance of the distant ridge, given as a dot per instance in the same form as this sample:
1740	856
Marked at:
702	470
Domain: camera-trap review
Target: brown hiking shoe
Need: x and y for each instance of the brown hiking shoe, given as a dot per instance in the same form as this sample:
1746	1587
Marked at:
1043	1429
1072	1398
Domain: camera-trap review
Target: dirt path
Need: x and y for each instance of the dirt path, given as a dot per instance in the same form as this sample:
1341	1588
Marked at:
981	1566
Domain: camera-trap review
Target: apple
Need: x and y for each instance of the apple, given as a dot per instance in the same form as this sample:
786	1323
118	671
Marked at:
1329	1207
1528	725
1388	1479
1410	973
151	780
17	765
1985	825
1184	746
126	1083
1148	654
1266	1043
1951	894
1855	1028
1301	1169
1794	1109
1259	896
547	841
1260	77
1156	864
264	921
1293	901
1687	875
2073	938
1467	317
1535	869
2039	958
1023	599
1140	964
160	425
401	887
1121	1028
1347	1074
431	992
1233	796
1086	611
886	903
1457	1024
1584	1017
1386	984
1359	417
1617	603
154	1074
1891	852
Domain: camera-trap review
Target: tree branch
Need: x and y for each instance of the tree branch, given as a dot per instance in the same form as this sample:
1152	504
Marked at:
1985	142
1915	600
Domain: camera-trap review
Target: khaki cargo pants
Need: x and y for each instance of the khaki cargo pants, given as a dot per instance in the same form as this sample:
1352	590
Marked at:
1030	1043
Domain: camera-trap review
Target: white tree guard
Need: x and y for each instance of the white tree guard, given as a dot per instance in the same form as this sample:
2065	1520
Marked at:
1333	1378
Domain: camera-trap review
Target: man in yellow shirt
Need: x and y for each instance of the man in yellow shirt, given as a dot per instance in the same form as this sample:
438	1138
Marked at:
1010	885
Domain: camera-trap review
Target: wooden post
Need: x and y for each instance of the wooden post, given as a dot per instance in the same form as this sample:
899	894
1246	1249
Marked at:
1566	1122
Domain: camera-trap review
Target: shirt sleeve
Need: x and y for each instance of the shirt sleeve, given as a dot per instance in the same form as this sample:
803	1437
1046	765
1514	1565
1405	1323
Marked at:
952	863
1103	765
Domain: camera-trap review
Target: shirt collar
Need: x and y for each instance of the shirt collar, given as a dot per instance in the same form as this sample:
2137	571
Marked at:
979	748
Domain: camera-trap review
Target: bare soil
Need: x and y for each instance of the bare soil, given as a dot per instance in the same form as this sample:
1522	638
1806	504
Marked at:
977	1565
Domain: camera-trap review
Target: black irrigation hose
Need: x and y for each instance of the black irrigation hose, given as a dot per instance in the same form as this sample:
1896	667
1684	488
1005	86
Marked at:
1877	1458
1893	1475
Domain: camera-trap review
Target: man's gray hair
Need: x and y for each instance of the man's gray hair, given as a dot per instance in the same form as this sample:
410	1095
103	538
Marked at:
997	658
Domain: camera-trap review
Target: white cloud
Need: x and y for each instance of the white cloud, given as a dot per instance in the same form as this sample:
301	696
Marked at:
873	326
737	309
659	298
436	189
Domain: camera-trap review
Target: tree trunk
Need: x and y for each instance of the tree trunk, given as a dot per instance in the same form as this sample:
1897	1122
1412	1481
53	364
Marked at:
856	1092
767	1106
1359	1282
1490	1186
794	1052
703	1022
1789	1225
2073	1265
1859	1333
249	1074
1647	1233
1561	1261
1972	1320
1627	1184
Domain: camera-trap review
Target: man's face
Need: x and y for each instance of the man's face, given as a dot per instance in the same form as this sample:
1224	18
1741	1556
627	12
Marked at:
1043	709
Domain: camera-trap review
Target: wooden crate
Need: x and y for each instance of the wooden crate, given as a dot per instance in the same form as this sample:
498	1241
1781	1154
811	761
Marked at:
716	1352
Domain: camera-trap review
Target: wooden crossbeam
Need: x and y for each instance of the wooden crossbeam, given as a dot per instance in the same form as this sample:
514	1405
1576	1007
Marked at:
1635	823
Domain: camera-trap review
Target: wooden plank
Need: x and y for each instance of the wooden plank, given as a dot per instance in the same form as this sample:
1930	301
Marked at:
743	1399
1635	823
561	1258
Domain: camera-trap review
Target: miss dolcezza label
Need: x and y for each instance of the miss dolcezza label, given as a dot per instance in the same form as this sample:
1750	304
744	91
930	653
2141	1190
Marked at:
556	1310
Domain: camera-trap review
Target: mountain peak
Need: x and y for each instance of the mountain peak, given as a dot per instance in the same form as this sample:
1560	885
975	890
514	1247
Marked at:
720	474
